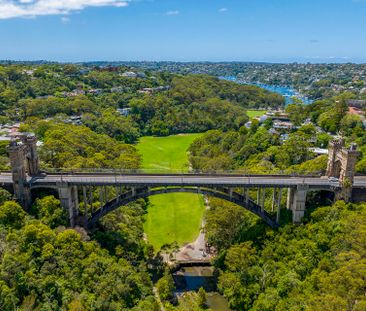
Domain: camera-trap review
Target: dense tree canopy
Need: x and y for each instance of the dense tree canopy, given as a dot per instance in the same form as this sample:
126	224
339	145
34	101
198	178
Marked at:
60	269
69	146
317	266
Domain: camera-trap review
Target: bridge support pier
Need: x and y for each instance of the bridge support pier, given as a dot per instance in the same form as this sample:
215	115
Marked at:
296	201
274	199
68	196
263	199
290	197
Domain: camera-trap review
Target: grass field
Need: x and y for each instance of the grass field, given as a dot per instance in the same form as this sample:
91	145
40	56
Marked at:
166	153
255	113
173	216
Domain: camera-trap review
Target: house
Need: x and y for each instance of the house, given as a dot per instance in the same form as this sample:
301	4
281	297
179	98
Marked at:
283	125
278	115
117	89
73	93
129	74
319	151
263	118
354	110
124	111
95	91
141	75
152	90
357	103
28	72
9	131
75	120
273	131
248	124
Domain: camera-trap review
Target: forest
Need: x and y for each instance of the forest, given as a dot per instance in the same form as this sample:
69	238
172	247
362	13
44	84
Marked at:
190	104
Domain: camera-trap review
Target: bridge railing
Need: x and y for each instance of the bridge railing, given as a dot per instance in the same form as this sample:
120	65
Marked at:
93	171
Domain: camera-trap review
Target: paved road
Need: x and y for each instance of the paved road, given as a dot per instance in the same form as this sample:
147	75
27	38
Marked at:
184	180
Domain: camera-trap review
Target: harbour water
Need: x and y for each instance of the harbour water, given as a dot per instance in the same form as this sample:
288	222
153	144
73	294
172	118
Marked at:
285	91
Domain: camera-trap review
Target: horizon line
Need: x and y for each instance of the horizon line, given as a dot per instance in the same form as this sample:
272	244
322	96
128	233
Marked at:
2	61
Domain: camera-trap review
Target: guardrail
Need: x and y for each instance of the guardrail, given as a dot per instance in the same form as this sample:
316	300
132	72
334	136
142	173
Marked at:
163	172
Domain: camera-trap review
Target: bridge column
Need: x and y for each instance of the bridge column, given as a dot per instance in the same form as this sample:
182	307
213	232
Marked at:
86	217
91	199
299	201
231	193
274	199
263	200
246	193
68	196
290	197
279	197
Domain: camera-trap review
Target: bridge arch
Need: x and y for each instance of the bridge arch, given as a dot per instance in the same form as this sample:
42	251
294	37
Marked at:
142	193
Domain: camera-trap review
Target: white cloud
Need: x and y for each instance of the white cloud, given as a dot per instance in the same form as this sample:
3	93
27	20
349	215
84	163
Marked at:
222	10
31	8
65	19
171	13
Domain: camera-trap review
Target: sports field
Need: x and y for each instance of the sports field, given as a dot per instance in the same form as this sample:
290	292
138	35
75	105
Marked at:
255	113
166	153
173	216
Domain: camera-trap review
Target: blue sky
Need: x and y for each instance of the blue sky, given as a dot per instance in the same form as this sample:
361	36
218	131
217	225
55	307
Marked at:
184	30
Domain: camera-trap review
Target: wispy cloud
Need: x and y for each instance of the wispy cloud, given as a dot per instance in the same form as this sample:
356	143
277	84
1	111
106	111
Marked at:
32	8
314	41
171	13
222	10
64	19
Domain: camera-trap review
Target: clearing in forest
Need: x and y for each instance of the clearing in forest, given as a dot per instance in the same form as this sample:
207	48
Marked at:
174	216
255	113
166	153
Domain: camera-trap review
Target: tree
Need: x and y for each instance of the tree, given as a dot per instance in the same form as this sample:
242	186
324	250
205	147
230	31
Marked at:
4	196
166	288
225	223
50	212
12	215
202	298
296	112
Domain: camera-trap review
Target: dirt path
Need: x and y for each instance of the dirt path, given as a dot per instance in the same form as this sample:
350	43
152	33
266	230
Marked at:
197	249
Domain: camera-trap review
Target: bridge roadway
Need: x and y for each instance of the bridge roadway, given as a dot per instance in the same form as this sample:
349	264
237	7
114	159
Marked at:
194	180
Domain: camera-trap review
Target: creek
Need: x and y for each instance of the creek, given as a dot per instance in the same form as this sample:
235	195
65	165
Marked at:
194	277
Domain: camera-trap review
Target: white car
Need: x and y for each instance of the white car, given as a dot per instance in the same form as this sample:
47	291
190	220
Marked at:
333	179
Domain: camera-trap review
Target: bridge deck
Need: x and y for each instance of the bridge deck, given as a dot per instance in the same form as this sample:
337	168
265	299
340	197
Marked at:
183	180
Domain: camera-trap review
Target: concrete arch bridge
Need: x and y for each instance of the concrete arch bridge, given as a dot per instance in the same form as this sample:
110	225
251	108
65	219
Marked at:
26	178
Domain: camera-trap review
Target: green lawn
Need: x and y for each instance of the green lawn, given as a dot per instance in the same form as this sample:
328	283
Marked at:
255	113
166	153
173	216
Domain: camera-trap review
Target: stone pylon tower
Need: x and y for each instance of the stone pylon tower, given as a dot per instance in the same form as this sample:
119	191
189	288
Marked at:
23	159
341	164
334	159
17	158
31	154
